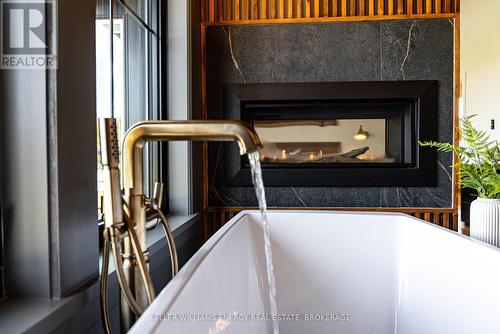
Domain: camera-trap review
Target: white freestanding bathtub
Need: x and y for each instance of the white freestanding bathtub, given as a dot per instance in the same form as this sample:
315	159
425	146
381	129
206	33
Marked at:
336	273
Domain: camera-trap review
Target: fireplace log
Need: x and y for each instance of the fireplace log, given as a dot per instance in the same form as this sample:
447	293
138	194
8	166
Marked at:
345	157
286	123
354	153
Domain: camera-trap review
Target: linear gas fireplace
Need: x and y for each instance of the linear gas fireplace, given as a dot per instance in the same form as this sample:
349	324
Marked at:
337	134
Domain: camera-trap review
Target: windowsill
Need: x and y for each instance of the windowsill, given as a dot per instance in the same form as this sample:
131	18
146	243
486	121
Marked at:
21	315
156	238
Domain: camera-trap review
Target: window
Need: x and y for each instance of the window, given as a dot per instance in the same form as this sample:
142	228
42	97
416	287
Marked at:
136	73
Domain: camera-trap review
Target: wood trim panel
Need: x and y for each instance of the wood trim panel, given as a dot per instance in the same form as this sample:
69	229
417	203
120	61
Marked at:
456	116
217	11
334	19
446	218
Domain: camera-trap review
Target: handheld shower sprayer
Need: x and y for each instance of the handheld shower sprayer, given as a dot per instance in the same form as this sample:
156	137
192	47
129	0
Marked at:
110	159
118	226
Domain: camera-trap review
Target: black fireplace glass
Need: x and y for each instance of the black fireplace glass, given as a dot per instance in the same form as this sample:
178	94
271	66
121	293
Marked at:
333	133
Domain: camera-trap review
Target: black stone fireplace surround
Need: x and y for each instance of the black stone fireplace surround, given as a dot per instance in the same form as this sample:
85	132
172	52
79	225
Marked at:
408	108
400	50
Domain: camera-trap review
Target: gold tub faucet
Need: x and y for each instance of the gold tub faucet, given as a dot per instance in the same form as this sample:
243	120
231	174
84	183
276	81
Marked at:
125	232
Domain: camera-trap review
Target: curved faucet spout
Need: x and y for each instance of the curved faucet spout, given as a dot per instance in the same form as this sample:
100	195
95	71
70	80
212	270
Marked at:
135	201
214	130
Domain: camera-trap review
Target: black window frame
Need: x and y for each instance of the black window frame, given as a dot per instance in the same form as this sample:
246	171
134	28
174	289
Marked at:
2	289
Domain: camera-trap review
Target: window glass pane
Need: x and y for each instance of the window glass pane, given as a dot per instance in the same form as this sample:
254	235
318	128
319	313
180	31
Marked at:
136	73
103	81
131	74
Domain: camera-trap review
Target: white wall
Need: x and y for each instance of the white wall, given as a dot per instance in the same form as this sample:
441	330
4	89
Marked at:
480	62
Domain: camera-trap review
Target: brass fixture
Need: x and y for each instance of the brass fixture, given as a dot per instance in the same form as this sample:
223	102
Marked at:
139	134
116	225
127	212
361	134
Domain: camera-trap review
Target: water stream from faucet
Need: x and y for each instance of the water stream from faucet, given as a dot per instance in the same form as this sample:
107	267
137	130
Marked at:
254	160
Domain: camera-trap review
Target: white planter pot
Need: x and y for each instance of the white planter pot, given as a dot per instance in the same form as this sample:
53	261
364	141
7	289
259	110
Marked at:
485	220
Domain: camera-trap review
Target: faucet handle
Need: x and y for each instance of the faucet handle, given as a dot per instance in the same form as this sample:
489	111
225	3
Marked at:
153	205
157	197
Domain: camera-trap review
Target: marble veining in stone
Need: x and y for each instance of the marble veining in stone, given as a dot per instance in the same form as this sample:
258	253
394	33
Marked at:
401	73
235	62
440	164
298	196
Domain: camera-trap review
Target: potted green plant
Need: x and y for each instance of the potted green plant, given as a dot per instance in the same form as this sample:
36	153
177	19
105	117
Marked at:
479	166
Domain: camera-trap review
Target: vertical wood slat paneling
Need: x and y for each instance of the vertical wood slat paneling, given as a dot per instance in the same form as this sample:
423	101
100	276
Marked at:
213	223
203	11
401	7
409	7
420	6
454	219
263	9
335	8
428	6
271	9
381	7
307	12
447	6
362	8
289	9
211	10
437	6
229	10
281	9
219	10
352	7
326	9
223	220
446	220
237	10
371	7
245	10
316	8
390	7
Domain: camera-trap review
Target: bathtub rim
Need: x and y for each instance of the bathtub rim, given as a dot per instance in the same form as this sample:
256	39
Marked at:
167	297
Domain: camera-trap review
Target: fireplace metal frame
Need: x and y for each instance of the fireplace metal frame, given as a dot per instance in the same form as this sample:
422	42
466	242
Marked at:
421	172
